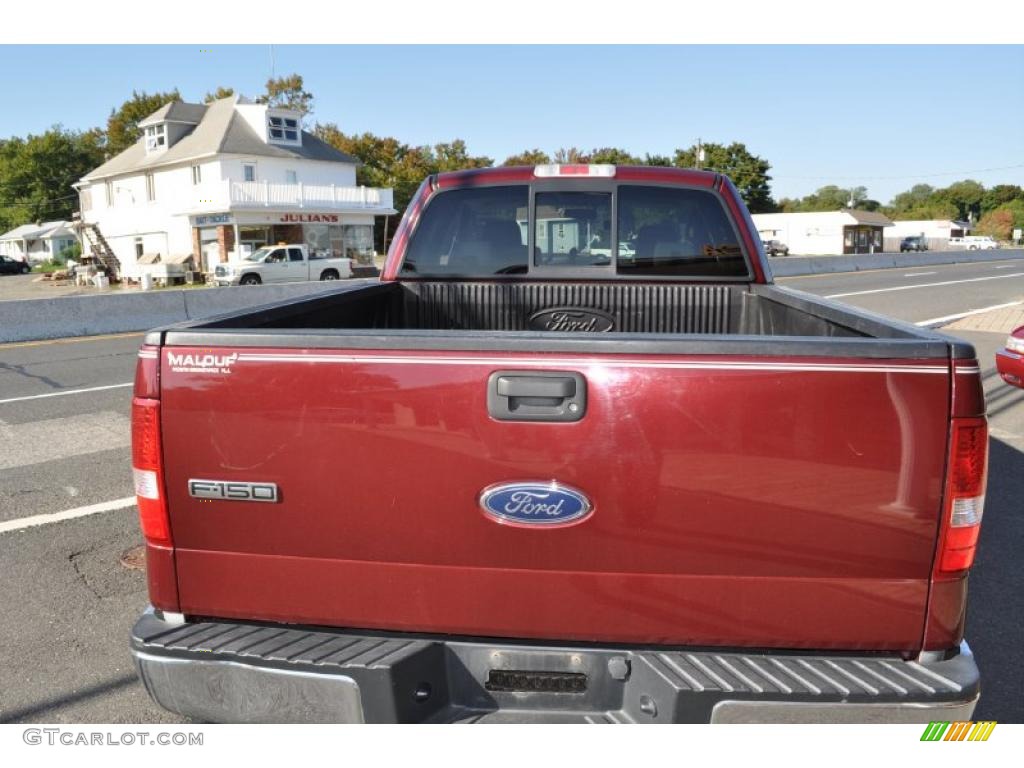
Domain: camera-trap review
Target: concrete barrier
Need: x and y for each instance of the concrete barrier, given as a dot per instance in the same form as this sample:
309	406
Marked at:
793	266
57	318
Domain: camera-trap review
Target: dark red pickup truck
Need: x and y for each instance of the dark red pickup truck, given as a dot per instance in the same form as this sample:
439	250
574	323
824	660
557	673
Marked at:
574	457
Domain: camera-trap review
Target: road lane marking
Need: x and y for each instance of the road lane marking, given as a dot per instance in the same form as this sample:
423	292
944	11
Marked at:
924	285
51	440
1006	266
64	392
68	514
919	274
69	340
960	315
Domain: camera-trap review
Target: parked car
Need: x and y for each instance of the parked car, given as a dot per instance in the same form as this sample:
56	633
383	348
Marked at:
973	243
9	266
489	485
1010	361
913	243
281	264
775	248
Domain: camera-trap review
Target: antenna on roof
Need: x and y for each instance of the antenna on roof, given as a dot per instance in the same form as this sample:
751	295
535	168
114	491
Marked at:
271	62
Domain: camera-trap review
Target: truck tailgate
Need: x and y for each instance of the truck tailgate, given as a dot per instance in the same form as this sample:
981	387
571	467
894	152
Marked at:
737	501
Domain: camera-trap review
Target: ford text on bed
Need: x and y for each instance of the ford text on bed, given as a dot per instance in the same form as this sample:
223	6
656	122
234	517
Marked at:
574	457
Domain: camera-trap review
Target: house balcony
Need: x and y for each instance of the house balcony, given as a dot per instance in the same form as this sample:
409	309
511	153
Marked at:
226	194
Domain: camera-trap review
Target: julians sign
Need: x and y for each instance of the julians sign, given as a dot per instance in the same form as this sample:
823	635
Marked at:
310	218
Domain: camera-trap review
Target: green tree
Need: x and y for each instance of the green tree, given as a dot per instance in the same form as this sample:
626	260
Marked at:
999	195
570	155
453	156
123	123
965	195
222	92
748	171
288	93
36	174
917	199
528	157
613	156
659	160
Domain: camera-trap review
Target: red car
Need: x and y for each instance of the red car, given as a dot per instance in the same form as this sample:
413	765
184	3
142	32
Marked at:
533	474
1010	361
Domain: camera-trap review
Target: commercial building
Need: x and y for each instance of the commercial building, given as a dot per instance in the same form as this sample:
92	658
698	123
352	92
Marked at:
831	232
37	242
935	231
218	180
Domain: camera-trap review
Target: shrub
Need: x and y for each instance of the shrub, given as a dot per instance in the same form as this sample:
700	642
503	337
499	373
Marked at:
73	251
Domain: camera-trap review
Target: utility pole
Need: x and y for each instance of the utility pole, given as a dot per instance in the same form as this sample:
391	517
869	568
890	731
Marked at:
700	154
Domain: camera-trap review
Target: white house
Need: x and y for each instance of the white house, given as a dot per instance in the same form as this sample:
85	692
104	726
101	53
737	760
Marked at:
217	180
935	231
831	232
37	242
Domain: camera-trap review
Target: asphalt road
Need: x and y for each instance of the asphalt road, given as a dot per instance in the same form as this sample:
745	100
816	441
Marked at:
67	602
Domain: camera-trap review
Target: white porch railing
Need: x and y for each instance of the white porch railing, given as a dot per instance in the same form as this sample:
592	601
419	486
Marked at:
257	194
222	195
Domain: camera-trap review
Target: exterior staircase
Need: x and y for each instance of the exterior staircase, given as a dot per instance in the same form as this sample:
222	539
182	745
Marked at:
100	249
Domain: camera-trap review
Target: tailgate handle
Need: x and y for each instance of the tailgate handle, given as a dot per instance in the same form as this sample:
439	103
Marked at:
536	395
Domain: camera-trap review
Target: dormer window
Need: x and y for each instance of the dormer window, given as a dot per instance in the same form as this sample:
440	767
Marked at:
156	137
284	130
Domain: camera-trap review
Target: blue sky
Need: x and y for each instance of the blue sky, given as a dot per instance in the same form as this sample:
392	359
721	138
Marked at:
881	117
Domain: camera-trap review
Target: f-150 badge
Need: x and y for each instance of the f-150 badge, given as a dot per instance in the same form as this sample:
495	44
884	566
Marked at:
227	490
547	505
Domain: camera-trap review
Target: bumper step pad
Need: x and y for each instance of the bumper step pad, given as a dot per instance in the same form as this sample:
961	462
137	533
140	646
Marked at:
224	671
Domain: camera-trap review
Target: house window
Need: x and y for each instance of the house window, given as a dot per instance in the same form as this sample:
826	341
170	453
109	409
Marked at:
197	175
109	188
249	172
284	129
291	177
138	248
156	137
150	188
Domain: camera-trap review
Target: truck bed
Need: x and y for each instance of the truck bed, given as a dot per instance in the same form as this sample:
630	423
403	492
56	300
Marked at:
683	314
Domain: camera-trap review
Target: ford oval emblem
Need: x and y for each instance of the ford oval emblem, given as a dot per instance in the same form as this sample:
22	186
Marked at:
572	320
538	505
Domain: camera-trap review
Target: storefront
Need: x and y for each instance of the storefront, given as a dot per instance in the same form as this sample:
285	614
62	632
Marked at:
862	238
224	237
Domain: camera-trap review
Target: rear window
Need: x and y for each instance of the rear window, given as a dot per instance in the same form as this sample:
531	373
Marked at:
657	232
677	232
480	231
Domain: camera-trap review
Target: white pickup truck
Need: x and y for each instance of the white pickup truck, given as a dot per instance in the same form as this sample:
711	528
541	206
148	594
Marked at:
281	264
973	243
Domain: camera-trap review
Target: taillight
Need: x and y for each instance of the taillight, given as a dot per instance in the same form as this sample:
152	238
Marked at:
148	471
965	494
